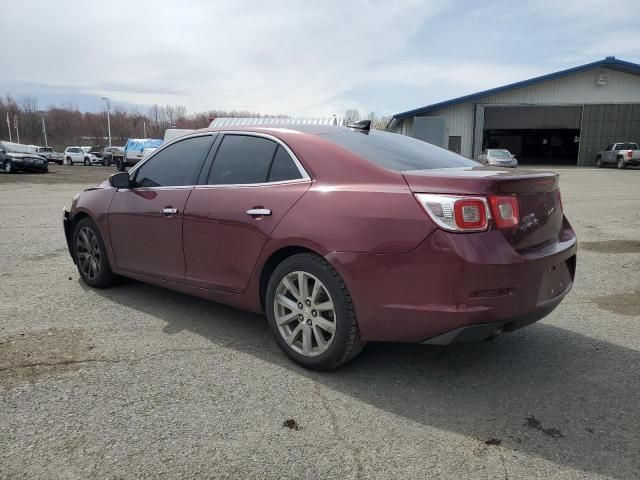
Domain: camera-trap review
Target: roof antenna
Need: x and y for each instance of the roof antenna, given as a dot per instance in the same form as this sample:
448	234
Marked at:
362	125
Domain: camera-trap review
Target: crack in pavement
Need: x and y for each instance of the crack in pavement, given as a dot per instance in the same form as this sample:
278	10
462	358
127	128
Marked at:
355	452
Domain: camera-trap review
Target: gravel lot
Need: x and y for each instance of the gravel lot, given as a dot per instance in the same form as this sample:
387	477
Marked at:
139	382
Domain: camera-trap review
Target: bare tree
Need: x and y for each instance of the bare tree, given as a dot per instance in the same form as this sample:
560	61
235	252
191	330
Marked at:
351	115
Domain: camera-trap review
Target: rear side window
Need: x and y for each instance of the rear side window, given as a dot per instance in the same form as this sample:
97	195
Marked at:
398	152
242	159
176	165
283	167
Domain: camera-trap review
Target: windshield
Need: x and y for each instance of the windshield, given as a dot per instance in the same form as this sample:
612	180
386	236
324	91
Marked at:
17	148
500	154
398	152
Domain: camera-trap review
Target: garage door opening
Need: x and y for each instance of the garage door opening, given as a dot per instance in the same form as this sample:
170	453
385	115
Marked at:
535	134
559	146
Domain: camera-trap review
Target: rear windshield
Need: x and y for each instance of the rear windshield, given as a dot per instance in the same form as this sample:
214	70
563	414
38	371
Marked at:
45	149
398	152
627	146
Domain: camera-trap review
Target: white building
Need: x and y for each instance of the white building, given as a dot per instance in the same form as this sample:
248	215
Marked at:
562	117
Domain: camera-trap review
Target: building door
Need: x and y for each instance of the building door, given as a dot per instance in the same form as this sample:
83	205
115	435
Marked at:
455	144
430	130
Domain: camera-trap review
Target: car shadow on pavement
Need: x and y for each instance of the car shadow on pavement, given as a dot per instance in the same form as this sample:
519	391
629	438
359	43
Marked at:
543	391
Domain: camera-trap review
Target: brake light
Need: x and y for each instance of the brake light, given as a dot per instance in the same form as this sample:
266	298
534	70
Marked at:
456	213
505	210
630	154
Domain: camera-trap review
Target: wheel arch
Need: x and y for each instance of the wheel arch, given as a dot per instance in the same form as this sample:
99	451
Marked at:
275	259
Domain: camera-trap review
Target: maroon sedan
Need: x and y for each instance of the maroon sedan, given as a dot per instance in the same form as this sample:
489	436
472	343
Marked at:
340	235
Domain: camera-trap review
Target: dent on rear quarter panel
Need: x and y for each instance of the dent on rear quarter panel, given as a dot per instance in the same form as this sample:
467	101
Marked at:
383	219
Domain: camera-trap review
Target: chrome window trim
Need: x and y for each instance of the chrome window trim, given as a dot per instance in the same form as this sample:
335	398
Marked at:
305	176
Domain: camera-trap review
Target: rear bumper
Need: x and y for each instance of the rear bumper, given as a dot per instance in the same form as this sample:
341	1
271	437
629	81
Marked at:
452	282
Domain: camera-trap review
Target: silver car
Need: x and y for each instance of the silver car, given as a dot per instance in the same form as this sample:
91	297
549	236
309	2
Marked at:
498	157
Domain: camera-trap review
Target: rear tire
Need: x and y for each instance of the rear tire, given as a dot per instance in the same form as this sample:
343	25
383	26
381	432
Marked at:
91	255
327	317
621	163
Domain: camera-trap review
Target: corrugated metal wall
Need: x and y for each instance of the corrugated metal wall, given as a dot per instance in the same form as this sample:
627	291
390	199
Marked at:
579	89
606	124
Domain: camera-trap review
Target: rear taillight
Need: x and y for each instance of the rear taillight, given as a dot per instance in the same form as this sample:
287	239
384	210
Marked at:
505	210
456	213
630	154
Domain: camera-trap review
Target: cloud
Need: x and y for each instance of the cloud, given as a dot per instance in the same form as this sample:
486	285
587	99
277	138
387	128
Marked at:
300	58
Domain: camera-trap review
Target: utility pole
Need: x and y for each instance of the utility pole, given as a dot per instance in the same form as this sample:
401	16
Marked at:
44	132
108	117
144	129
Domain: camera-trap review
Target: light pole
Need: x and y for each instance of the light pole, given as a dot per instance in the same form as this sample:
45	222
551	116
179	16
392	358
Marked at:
108	117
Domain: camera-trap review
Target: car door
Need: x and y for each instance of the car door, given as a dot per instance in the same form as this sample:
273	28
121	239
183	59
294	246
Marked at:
252	182
145	221
606	156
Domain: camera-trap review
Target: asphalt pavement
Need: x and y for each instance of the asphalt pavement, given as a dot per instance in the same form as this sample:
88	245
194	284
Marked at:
140	382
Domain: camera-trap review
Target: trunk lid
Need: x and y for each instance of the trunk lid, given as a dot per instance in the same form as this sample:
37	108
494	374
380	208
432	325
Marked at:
540	212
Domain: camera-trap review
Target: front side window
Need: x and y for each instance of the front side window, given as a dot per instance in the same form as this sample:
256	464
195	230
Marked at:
242	159
609	148
176	165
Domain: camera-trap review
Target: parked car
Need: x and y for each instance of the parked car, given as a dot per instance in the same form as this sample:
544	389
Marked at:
138	148
498	157
15	157
112	156
620	154
80	155
49	154
340	235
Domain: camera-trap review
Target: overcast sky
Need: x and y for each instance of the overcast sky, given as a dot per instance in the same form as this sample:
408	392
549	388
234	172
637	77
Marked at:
298	57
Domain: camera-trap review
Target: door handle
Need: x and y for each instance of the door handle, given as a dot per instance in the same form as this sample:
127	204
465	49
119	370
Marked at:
258	212
169	211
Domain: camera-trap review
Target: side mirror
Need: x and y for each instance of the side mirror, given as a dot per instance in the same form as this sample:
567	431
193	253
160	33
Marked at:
120	180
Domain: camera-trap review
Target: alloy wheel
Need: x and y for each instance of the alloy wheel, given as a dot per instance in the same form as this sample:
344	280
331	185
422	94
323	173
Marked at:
88	253
7	166
305	313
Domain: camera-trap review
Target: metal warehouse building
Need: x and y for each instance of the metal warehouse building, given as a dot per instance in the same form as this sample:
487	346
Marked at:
563	117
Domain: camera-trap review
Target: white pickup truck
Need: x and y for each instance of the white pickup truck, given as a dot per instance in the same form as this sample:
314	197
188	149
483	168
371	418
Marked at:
621	154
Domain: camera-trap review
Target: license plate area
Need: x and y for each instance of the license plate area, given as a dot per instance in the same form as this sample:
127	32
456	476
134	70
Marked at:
557	279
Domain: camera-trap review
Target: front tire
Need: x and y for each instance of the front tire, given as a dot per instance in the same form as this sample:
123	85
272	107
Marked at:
8	166
91	255
599	163
311	314
69	161
86	162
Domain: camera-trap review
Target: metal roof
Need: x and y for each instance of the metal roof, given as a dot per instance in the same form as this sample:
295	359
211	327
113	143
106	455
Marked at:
272	121
611	63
